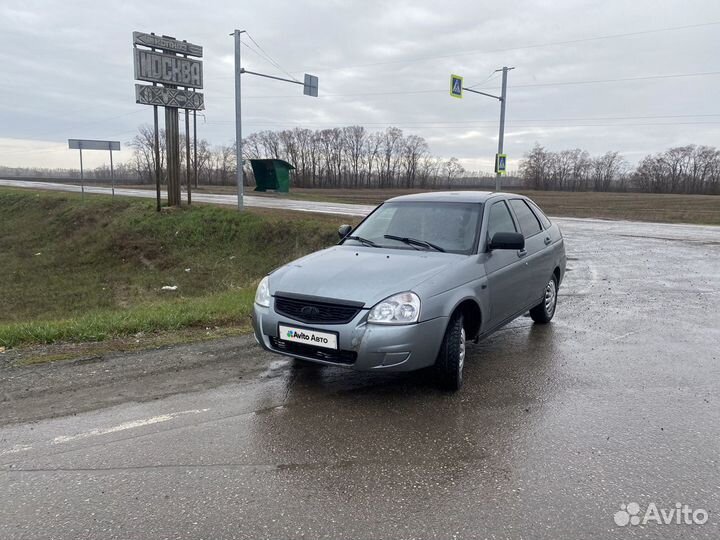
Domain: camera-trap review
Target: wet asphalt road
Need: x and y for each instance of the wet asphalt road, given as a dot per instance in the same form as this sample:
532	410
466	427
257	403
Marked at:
616	401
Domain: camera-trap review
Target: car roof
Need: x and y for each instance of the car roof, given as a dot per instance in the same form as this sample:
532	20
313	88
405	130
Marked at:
451	196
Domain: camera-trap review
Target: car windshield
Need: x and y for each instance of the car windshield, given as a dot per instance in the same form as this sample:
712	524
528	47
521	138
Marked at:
430	226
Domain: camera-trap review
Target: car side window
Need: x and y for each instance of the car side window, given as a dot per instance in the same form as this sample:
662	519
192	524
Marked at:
500	219
541	215
529	224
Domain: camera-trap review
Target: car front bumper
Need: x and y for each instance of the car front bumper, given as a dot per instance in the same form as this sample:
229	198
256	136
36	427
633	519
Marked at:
363	346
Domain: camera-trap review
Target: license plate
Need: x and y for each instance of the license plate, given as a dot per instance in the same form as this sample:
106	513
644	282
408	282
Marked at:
326	340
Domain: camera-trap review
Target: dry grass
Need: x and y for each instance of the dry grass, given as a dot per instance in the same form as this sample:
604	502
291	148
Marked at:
697	209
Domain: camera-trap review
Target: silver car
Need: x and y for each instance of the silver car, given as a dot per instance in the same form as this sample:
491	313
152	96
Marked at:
417	278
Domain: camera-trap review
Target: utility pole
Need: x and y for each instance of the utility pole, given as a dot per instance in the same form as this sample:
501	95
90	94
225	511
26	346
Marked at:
238	121
501	135
310	88
456	89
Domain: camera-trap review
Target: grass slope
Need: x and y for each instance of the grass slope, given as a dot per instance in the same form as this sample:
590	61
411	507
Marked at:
89	270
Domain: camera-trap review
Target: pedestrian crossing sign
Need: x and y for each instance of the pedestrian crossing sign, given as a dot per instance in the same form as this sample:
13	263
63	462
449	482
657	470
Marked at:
501	163
456	82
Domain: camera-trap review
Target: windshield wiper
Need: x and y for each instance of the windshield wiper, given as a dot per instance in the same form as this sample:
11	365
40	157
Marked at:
413	242
363	241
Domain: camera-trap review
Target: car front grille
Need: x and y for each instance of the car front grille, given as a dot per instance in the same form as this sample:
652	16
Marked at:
316	353
310	310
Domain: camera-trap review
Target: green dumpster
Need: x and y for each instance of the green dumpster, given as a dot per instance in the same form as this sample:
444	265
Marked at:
271	174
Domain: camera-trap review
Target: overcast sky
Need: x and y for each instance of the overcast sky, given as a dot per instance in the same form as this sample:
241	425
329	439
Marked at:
67	72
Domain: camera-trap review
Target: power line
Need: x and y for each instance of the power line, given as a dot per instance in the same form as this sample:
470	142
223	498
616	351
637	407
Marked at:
623	79
472	122
522	47
493	74
526	85
270	58
515	125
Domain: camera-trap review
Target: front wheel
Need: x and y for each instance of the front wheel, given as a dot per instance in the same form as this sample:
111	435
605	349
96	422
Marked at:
451	358
544	311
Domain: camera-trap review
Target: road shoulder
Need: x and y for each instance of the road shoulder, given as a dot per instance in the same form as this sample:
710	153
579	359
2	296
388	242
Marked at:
34	392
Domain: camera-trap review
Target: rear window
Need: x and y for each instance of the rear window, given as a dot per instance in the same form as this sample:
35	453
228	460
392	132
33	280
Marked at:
500	219
529	224
539	213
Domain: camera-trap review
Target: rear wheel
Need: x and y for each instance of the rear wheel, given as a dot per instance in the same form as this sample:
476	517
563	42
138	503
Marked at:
544	311
451	358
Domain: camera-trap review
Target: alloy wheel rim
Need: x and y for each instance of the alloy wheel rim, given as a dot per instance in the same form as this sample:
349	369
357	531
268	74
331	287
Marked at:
461	361
550	297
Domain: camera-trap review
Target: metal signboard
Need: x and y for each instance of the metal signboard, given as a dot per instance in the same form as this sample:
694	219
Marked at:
169	97
456	86
87	144
310	87
501	163
168	69
167	44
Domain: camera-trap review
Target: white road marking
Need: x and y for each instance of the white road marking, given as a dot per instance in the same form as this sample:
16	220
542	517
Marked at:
624	335
15	449
125	426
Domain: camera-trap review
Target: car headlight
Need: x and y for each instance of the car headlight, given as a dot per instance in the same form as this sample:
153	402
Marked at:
262	295
403	308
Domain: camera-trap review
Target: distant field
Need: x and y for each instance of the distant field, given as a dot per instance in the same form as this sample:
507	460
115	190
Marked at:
90	270
698	209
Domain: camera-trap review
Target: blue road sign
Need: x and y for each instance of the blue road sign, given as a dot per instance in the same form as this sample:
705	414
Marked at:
456	85
501	163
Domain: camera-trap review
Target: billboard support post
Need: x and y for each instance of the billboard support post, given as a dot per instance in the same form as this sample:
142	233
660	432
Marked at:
187	156
157	157
172	155
195	165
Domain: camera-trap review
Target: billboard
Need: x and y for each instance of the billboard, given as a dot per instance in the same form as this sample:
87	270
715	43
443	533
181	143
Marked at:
169	97
162	68
167	44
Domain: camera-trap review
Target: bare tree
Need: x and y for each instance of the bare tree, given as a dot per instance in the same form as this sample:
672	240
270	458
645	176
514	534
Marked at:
353	145
143	145
453	170
414	149
353	157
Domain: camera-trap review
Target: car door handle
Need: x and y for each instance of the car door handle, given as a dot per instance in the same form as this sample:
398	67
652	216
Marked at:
547	240
522	252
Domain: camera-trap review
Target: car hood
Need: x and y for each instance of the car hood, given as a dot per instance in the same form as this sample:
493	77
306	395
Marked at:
360	274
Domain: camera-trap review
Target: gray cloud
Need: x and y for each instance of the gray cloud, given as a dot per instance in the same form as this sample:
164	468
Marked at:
68	72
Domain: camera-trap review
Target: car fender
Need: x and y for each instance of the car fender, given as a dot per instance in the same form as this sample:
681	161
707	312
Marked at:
445	303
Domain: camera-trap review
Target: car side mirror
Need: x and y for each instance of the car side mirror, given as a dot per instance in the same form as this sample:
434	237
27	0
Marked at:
507	240
344	230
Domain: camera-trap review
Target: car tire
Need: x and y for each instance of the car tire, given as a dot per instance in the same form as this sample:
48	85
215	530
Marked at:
544	311
451	358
